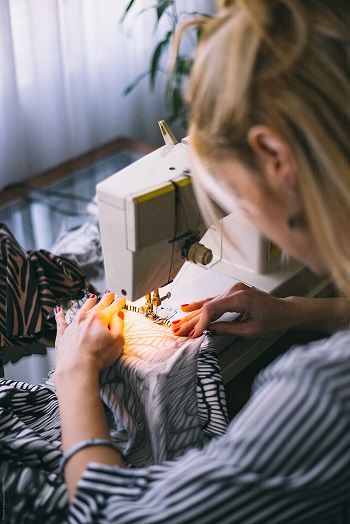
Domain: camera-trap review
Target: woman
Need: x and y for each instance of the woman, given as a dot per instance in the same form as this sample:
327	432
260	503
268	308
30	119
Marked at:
270	121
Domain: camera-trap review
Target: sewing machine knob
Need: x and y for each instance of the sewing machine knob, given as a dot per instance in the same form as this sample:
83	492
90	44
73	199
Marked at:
199	254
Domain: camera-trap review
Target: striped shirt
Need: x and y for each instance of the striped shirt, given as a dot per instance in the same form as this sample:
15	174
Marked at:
284	459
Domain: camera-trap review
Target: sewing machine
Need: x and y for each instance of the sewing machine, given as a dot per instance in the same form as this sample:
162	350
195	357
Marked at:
158	252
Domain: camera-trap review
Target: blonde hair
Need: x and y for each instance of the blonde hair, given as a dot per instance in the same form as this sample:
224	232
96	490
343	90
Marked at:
284	64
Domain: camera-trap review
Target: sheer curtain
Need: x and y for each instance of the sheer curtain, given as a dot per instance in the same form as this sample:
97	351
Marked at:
64	65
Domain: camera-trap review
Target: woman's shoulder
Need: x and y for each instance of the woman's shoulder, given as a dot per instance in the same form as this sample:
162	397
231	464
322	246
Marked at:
326	359
333	347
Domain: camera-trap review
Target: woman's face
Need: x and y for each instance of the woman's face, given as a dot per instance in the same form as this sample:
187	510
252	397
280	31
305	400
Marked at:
269	211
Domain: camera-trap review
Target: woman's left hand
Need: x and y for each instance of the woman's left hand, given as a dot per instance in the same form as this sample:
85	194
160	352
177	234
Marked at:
94	339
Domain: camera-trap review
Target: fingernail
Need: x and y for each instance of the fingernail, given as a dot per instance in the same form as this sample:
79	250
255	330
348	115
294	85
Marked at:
121	315
192	333
176	330
57	309
176	322
92	295
184	305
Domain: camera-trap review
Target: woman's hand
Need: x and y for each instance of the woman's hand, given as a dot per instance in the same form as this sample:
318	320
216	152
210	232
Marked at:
95	337
91	342
260	314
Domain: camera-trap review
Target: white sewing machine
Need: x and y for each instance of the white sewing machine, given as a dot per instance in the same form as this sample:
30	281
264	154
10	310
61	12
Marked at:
153	237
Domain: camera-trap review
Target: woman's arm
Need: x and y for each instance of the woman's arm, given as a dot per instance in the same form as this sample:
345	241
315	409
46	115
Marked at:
93	341
285	457
325	315
82	417
262	314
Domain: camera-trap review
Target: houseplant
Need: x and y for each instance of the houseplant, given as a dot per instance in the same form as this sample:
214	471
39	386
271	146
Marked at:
169	15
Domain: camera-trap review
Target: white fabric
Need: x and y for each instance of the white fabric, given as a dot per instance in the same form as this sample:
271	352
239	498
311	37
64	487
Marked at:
64	65
81	243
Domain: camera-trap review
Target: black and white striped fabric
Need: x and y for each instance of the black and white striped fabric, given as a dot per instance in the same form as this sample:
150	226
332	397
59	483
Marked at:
284	460
163	397
30	450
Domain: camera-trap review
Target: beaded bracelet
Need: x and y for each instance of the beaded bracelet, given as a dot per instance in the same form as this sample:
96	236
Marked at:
82	444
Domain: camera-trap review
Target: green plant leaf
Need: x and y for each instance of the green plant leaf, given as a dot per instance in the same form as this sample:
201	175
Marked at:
183	65
161	7
177	100
127	9
189	14
177	109
162	45
176	104
129	88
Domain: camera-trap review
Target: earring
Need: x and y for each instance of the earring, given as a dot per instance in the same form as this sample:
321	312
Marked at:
294	221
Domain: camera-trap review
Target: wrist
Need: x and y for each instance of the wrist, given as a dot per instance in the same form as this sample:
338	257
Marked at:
85	371
316	314
294	313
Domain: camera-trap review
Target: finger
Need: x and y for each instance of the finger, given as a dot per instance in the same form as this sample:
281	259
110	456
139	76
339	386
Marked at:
240	286
214	309
241	329
194	305
184	330
89	304
108	312
60	321
117	324
105	301
180	321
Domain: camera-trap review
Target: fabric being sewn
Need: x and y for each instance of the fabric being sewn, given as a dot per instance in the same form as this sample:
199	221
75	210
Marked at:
162	397
155	393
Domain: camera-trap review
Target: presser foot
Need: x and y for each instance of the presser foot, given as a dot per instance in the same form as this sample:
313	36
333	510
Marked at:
162	316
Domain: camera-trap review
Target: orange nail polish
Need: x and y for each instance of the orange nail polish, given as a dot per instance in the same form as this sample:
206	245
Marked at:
121	315
92	295
184	305
175	322
176	330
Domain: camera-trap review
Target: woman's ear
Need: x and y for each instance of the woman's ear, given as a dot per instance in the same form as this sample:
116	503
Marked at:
280	171
275	158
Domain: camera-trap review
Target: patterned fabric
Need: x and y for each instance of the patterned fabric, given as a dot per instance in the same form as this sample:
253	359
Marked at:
33	491
211	394
163	397
285	458
31	284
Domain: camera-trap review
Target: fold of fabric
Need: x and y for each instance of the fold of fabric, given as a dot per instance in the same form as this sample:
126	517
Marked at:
162	397
31	284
